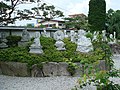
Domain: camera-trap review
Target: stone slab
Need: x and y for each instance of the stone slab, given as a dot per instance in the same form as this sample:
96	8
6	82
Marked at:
14	69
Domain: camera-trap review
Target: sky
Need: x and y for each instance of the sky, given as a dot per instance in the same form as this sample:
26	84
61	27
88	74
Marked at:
69	7
79	6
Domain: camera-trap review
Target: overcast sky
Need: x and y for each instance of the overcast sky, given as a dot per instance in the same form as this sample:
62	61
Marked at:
78	6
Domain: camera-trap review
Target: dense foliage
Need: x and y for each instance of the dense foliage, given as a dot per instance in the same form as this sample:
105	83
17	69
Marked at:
113	22
100	78
51	54
78	22
13	40
97	14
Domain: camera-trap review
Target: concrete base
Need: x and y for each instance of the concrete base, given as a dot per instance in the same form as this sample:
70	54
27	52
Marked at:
36	50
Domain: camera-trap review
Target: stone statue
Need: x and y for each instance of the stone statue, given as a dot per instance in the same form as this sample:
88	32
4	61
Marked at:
36	46
45	33
59	36
83	44
104	38
95	34
72	36
25	36
3	40
65	33
112	39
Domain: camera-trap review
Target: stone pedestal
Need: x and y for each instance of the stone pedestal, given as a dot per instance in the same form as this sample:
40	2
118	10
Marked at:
3	45
36	50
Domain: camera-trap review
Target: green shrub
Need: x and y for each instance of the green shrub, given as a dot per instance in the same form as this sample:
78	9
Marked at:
70	48
50	51
51	54
71	66
13	40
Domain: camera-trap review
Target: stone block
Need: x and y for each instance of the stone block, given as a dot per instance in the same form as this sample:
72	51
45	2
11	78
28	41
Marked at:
50	69
14	69
62	69
97	66
36	71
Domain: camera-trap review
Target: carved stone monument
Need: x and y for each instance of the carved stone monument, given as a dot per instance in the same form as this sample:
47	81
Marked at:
25	35
95	34
59	36
25	38
3	41
72	36
44	32
104	38
111	39
114	38
65	33
36	47
83	44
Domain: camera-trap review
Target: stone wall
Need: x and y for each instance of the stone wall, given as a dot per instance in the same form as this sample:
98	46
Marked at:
18	31
47	69
14	69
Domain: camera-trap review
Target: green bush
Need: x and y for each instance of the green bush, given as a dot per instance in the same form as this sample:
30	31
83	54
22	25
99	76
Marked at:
51	54
20	54
13	40
50	51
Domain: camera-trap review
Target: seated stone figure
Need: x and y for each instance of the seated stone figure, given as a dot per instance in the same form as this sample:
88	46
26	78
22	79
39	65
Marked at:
36	41
36	46
83	44
59	36
25	35
65	33
72	36
3	40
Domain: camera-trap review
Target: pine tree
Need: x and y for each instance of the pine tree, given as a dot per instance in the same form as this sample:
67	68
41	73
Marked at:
97	14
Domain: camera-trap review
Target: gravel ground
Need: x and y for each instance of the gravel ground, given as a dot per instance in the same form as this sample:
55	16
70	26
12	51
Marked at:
34	83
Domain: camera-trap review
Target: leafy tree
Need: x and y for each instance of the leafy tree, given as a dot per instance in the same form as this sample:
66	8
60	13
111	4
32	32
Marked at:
77	22
9	7
97	14
48	12
113	21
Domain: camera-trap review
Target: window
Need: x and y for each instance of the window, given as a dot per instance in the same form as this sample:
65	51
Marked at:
60	24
